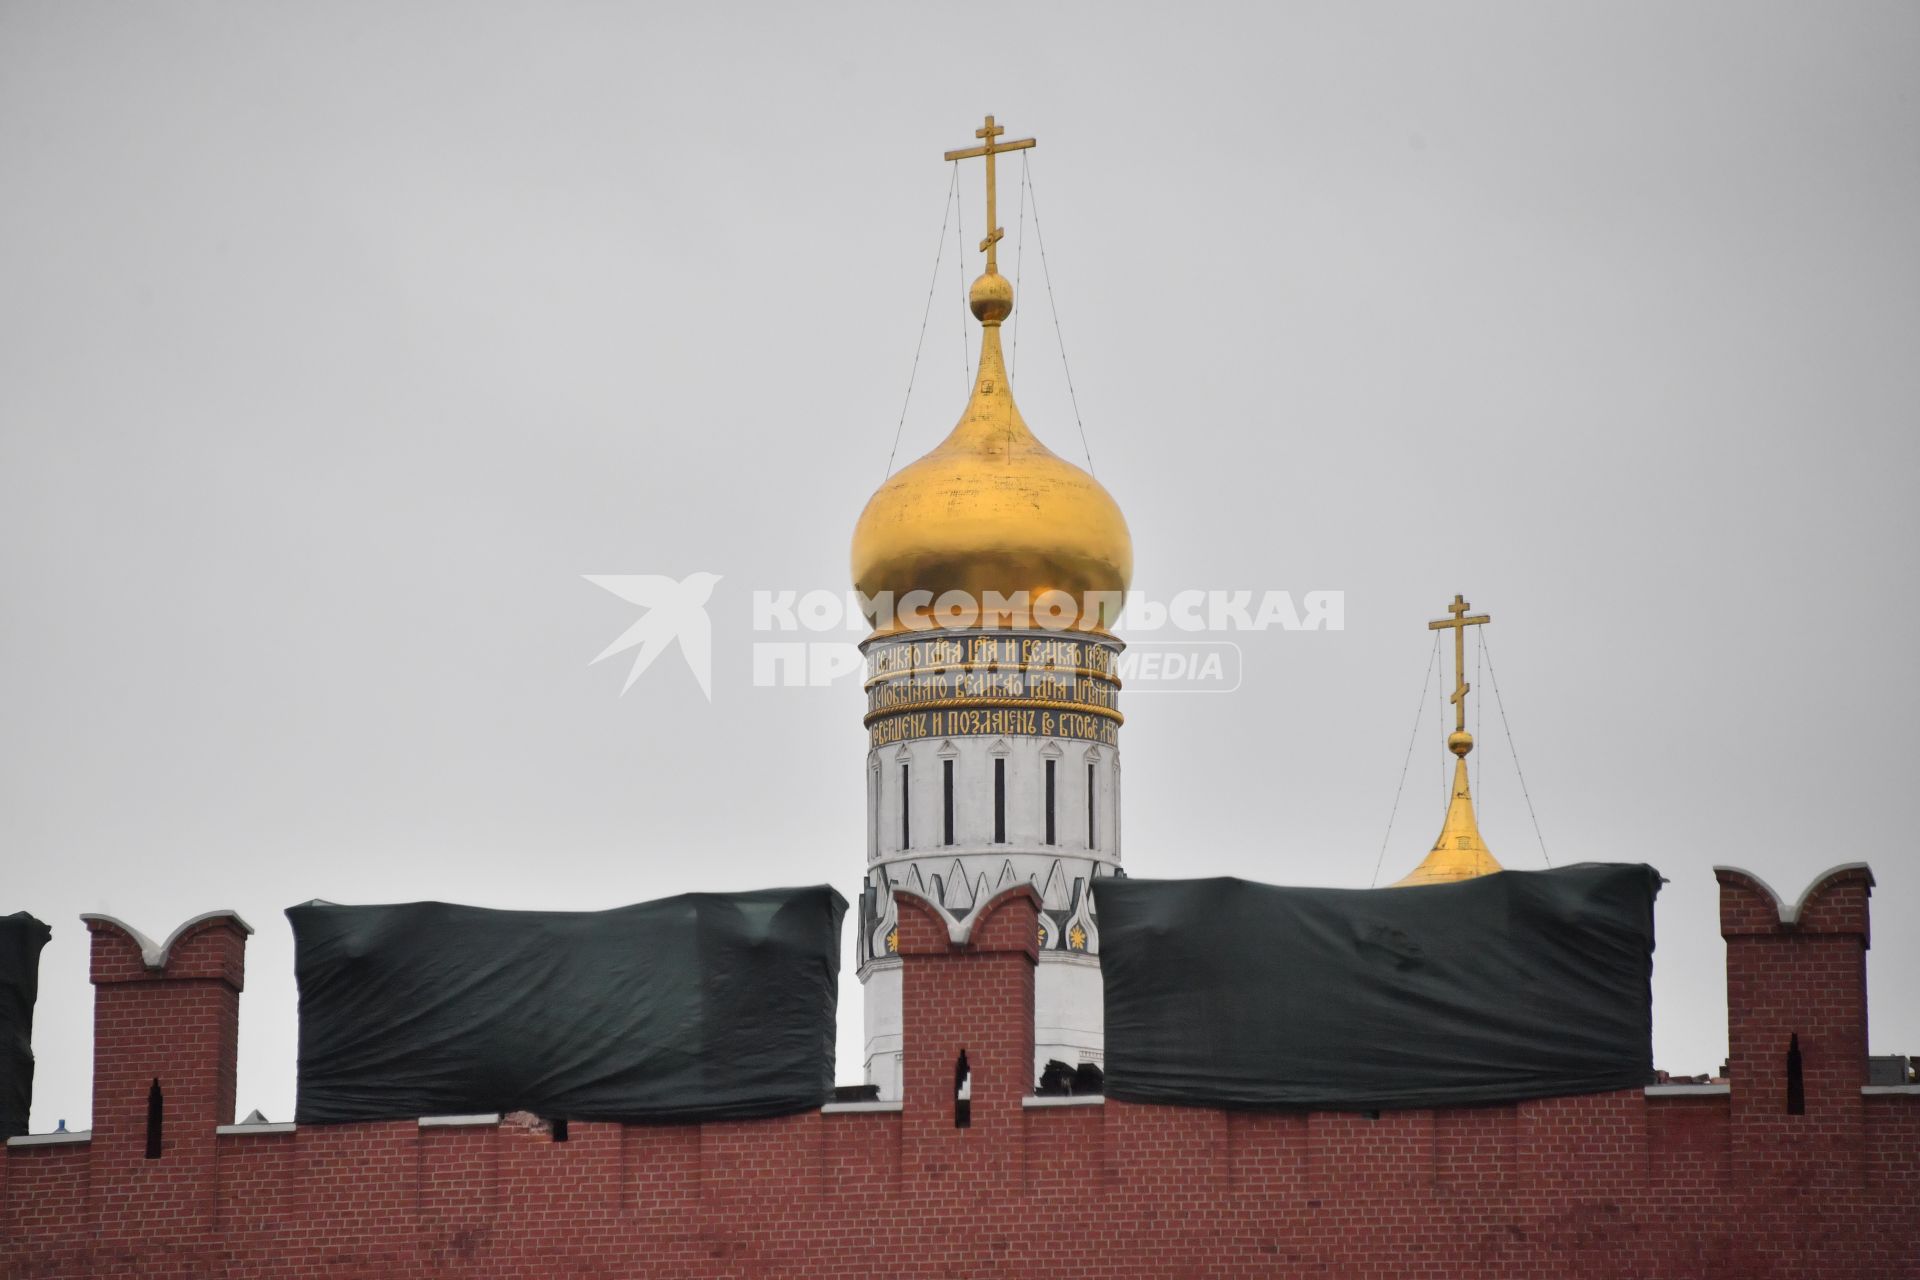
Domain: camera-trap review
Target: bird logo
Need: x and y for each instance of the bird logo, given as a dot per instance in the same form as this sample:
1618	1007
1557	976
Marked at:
674	611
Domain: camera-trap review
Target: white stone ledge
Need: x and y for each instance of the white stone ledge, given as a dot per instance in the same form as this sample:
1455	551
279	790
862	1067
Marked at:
51	1139
1069	1100
284	1126
1912	1090
1688	1090
460	1122
853	1108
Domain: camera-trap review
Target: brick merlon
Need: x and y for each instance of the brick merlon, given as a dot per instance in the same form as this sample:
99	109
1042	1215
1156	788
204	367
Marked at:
212	944
928	929
1835	901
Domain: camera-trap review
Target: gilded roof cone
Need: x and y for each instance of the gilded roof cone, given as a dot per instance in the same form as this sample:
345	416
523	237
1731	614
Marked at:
1459	853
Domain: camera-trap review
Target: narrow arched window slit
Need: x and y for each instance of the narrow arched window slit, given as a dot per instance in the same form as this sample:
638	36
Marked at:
156	1119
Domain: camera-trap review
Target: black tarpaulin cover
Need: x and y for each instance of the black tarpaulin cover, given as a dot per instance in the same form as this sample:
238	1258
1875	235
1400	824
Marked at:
702	1007
21	937
1522	984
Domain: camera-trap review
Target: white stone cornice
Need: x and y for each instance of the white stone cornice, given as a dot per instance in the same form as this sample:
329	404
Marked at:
154	954
51	1139
480	1120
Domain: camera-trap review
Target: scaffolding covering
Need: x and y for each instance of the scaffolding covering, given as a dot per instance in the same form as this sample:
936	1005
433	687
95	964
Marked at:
21	937
1520	984
708	1006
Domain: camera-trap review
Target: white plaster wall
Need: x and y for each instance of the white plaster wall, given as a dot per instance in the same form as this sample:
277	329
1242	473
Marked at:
1067	991
1068	1013
973	809
882	983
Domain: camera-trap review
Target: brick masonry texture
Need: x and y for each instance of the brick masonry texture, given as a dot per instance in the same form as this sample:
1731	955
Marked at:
1608	1185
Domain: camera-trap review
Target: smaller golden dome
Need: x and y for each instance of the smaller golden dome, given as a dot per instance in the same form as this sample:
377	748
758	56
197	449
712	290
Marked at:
1459	853
992	512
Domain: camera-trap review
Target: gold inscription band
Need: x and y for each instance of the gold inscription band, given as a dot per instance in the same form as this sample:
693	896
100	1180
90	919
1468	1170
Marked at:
1084	724
899	656
1087	673
991	688
1010	704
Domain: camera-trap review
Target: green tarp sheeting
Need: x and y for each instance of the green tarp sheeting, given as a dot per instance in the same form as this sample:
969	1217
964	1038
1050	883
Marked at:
1521	984
21	937
701	1007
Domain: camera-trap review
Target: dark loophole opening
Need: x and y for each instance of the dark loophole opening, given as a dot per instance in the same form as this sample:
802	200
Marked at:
1050	830
999	799
962	1092
946	773
156	1118
1796	1080
558	1130
1090	843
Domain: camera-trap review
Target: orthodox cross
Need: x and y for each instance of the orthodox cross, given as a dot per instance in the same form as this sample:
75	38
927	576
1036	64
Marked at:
1459	623
990	148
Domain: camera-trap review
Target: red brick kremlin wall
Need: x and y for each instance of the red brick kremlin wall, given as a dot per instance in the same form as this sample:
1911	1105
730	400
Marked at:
1695	1182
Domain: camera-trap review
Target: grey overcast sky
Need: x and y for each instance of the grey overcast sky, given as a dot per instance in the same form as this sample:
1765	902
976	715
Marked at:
337	341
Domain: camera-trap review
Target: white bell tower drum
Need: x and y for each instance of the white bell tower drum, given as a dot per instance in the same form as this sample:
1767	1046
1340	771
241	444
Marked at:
995	570
993	761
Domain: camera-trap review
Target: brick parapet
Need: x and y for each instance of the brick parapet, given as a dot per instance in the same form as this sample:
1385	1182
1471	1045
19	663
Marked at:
209	947
1797	1004
1614	1184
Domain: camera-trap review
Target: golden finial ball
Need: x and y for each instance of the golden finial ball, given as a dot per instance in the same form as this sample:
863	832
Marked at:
1460	742
991	298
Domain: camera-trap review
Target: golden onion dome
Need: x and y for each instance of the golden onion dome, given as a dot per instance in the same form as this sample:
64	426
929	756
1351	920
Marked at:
991	511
